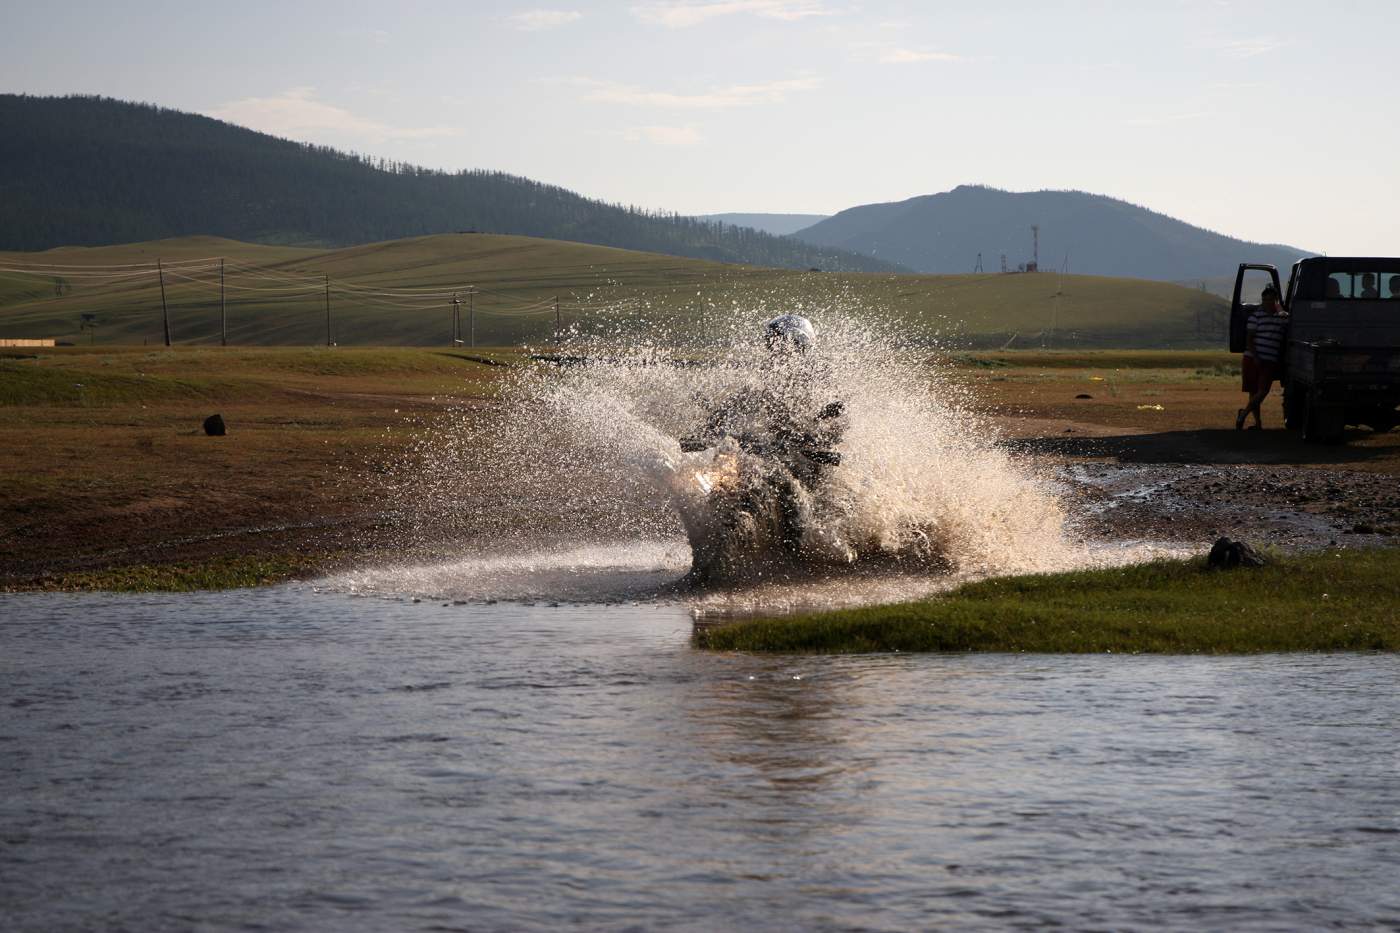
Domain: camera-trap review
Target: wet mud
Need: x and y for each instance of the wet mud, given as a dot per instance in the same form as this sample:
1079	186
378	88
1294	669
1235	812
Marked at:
1184	484
1194	503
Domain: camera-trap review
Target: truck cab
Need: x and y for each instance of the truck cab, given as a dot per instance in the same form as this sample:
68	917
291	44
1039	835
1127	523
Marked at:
1341	362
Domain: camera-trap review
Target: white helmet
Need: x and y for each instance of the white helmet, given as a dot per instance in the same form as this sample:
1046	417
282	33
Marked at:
789	332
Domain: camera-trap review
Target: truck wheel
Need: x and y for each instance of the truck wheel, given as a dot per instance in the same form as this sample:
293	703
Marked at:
1323	424
1295	406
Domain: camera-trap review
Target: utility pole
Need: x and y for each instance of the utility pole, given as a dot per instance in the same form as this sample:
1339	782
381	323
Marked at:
164	309
1035	248
328	309
223	315
471	312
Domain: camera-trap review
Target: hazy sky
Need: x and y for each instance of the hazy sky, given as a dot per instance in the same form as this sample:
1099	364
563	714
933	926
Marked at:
1275	121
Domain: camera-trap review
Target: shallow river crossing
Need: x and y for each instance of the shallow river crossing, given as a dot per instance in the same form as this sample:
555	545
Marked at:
286	758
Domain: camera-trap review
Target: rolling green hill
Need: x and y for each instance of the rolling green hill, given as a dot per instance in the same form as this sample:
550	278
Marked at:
93	171
399	293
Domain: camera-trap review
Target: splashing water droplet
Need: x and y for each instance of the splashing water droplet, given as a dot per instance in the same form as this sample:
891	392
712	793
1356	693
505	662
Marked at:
583	456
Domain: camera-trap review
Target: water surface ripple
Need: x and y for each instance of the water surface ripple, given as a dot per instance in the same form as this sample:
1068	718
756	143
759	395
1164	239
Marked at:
282	759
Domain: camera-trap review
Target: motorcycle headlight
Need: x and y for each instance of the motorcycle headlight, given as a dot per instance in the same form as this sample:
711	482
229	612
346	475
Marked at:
722	471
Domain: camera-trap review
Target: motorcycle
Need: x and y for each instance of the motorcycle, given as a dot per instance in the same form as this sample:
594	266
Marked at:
746	515
755	510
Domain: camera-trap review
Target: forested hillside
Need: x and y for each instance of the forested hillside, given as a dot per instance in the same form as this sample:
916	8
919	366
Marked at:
94	171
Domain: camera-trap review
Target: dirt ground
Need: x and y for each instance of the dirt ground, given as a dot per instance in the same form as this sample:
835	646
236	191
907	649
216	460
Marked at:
128	479
1152	454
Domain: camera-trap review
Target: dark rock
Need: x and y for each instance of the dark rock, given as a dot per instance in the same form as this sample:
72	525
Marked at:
1083	395
214	426
1226	554
1361	528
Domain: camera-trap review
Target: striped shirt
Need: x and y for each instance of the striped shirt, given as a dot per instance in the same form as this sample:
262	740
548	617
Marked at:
1268	330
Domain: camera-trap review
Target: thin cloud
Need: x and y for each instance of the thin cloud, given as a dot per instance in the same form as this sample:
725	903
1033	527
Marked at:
911	56
682	14
1248	48
884	52
663	135
1166	119
536	20
296	112
736	95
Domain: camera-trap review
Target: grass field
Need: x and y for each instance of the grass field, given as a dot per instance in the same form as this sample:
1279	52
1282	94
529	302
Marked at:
1329	601
109	481
275	296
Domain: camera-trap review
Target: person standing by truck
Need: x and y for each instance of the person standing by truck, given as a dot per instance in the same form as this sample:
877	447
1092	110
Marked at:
1267	330
1249	375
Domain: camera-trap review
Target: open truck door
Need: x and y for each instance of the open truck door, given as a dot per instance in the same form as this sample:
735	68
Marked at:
1240	312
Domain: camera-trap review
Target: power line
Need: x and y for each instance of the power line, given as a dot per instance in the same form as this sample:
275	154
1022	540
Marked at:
243	283
147	266
52	274
285	290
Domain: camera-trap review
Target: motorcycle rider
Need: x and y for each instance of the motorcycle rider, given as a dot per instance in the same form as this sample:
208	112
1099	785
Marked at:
782	419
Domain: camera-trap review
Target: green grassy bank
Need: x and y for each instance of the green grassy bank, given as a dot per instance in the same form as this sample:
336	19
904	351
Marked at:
218	573
1347	600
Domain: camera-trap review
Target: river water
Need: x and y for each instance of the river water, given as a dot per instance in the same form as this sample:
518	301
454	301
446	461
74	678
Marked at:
286	758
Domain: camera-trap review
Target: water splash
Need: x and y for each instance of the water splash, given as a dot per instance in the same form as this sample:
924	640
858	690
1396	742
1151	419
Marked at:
582	574
585	450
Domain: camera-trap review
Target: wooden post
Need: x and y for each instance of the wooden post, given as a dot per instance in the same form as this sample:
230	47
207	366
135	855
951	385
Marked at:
328	310
164	309
471	312
558	328
223	313
456	320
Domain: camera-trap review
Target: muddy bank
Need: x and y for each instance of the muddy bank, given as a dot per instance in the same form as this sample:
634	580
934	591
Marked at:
1190	485
302	476
1114	492
1191	503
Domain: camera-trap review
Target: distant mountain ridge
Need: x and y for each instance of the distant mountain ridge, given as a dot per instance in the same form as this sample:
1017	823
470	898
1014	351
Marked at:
89	171
776	224
1087	233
